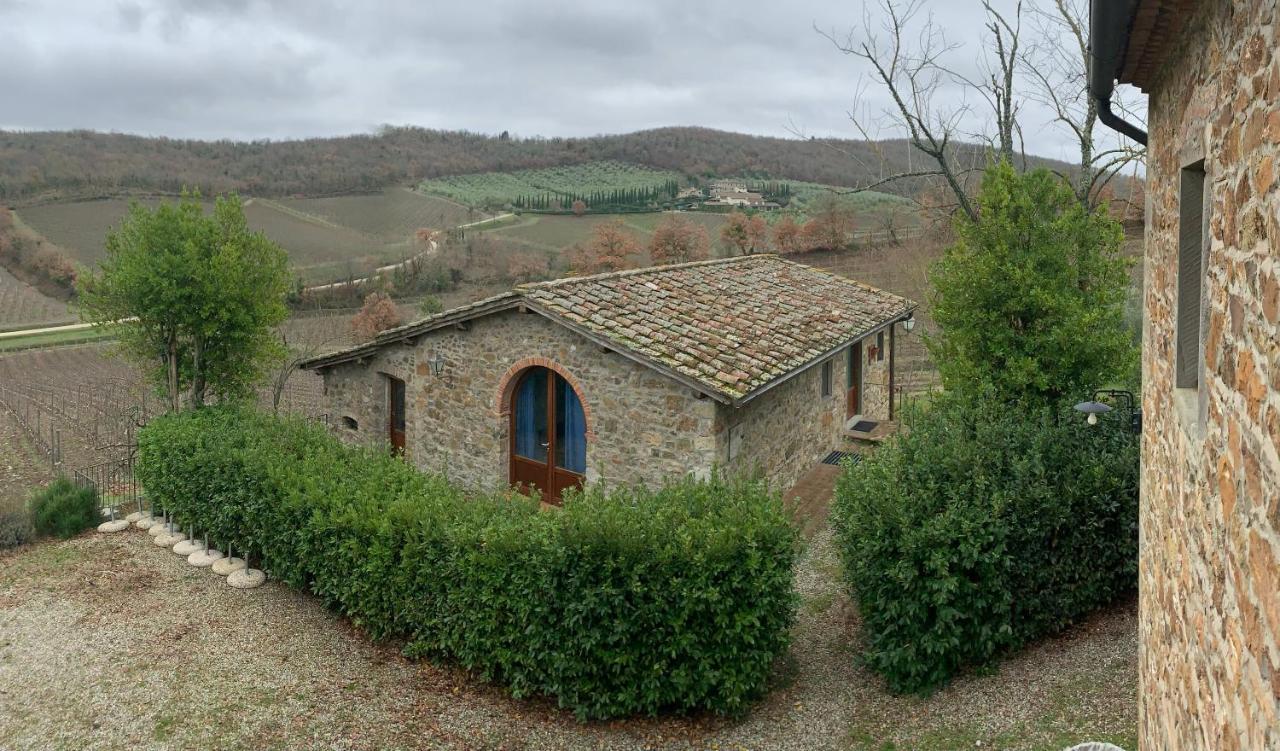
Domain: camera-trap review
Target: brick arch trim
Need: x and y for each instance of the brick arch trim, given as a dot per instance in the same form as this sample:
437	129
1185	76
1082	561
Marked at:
507	387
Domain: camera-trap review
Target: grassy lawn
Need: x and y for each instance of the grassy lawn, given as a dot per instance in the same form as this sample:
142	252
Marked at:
111	642
33	341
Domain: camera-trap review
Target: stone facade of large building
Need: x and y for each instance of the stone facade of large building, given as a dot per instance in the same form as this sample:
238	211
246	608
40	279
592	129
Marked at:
1210	510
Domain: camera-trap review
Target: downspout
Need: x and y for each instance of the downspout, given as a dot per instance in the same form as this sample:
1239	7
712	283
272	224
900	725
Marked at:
1109	22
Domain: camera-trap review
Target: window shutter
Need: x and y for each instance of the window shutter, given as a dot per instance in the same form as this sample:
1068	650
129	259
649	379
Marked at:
1191	247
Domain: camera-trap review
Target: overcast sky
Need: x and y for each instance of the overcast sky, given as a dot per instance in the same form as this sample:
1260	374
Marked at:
245	69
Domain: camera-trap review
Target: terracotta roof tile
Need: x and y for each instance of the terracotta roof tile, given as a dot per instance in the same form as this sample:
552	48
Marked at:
732	325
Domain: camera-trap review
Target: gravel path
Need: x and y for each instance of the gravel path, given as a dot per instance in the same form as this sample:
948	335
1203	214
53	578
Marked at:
107	642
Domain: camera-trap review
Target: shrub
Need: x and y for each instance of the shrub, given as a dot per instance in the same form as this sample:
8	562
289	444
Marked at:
635	601
982	529
63	509
15	528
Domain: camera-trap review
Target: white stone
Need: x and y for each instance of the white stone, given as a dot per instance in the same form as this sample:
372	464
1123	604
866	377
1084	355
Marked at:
226	566
187	547
170	539
119	525
147	522
159	528
204	558
246	578
135	516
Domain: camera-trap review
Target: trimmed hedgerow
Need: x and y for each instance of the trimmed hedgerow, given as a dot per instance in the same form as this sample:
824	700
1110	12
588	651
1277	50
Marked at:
634	602
982	529
63	509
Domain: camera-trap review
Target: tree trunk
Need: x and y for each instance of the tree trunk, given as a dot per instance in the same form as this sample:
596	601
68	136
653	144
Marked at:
197	374
172	356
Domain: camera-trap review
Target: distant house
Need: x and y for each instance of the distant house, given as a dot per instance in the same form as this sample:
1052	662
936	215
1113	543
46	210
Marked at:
728	193
1209	566
751	363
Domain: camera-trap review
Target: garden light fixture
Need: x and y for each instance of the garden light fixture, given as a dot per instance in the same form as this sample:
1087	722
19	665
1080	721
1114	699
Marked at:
909	324
1093	409
1099	407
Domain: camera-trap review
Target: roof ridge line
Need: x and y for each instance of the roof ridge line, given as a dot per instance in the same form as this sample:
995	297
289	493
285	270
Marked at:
634	272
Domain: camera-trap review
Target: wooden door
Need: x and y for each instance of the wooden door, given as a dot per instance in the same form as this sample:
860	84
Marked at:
853	381
548	435
395	414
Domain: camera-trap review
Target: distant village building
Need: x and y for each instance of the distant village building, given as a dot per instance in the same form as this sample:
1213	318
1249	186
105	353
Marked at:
1209	570
734	193
746	364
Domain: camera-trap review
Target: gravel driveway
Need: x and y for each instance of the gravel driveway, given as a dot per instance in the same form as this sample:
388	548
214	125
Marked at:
108	642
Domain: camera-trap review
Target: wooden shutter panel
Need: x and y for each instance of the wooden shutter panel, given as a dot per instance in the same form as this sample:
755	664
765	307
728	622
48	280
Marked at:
1191	246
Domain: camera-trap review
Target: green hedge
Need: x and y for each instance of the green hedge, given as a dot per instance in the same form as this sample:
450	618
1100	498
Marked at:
981	529
637	602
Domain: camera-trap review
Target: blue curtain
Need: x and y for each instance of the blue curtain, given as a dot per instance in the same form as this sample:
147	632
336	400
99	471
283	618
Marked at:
530	413
572	451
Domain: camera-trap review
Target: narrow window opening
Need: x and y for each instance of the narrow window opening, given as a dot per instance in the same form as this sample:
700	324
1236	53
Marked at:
350	423
880	346
1193	249
826	378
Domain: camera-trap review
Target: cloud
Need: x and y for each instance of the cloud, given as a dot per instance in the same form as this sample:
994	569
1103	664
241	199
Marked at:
248	69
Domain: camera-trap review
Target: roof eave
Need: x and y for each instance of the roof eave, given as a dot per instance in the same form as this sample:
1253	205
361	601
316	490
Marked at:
901	315
413	331
630	354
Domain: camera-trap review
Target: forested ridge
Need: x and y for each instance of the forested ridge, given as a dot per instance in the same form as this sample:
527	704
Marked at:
54	165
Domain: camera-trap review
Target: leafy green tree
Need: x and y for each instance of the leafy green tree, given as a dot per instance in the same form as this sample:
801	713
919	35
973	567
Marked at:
195	297
1030	298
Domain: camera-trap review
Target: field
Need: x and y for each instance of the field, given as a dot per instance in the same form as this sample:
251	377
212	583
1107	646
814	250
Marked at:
393	215
22	306
348	235
493	189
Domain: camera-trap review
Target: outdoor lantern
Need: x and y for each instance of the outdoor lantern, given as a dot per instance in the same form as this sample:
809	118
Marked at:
1126	400
909	325
437	364
1093	409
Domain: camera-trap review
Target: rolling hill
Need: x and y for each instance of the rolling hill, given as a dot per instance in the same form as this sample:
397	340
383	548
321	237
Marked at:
37	166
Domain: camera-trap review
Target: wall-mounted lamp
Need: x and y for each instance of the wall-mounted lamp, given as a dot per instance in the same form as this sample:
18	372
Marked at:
909	324
437	364
1097	407
1093	409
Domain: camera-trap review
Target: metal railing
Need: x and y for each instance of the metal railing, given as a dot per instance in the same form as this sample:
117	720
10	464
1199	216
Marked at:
113	483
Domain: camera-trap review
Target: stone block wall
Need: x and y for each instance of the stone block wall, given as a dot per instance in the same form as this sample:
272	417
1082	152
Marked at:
1210	512
642	426
785	431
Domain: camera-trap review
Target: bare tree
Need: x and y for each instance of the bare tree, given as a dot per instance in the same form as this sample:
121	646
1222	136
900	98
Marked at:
913	72
1059	74
910	59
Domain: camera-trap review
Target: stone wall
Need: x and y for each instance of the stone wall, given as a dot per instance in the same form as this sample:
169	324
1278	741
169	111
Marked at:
786	430
642	426
1210	513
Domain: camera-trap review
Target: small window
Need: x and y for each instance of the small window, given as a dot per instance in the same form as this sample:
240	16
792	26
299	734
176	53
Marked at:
1193	246
350	423
880	346
826	378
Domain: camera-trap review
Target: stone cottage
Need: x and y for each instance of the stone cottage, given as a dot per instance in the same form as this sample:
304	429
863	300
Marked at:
745	364
1210	511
